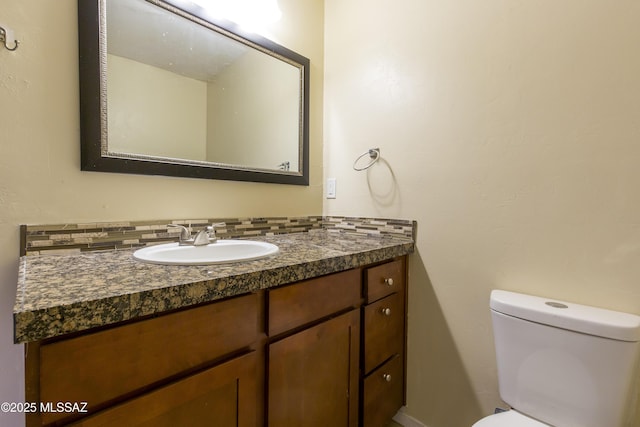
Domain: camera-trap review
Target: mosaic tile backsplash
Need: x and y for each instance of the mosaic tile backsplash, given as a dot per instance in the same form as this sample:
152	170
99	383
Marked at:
82	237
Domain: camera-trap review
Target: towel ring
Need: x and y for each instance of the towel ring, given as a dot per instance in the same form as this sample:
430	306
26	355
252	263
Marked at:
374	154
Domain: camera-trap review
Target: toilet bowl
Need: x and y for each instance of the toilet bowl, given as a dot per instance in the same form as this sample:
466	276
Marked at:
510	418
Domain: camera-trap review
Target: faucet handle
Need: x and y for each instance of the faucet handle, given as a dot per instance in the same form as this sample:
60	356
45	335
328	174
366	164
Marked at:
211	229
185	234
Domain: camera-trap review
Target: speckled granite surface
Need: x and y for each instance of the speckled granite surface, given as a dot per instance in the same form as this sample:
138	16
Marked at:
59	294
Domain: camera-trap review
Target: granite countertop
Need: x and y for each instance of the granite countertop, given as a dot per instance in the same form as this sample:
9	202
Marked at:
60	294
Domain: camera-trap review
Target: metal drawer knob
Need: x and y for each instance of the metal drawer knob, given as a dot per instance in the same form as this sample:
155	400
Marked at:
388	281
386	377
386	311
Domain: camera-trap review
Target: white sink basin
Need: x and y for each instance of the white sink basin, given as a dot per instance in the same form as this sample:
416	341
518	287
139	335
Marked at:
220	252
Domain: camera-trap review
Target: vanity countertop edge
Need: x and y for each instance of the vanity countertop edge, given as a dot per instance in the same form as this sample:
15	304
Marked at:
62	294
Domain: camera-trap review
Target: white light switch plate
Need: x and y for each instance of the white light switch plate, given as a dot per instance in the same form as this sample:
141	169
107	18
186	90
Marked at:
331	188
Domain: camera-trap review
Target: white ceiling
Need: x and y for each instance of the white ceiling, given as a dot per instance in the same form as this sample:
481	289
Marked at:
150	34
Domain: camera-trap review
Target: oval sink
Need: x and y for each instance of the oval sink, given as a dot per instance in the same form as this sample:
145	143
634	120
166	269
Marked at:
220	252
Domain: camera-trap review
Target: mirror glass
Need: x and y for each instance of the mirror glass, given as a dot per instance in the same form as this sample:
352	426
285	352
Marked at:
184	96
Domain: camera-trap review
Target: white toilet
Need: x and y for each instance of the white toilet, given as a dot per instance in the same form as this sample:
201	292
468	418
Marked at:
562	364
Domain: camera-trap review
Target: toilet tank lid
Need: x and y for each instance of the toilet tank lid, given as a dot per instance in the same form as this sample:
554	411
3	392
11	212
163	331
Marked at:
574	317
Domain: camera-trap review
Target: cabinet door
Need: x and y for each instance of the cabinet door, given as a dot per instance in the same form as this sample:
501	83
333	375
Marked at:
224	395
313	375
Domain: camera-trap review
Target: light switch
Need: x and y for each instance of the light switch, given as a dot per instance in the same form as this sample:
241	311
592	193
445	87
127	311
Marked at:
331	188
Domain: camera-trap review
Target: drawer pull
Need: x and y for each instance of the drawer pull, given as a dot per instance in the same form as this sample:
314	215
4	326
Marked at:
386	311
388	281
386	377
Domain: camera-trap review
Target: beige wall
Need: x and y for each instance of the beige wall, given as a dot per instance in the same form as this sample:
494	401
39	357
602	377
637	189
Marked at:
135	117
238	131
40	177
510	130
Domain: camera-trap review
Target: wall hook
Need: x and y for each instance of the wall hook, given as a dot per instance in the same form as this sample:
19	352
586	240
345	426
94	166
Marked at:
3	39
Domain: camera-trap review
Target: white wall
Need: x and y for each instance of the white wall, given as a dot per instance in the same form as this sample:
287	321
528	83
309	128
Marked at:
40	177
510	131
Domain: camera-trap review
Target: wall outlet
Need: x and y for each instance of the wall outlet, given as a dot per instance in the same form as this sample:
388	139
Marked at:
331	188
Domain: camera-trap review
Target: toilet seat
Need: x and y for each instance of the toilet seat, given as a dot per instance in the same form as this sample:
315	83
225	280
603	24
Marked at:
510	418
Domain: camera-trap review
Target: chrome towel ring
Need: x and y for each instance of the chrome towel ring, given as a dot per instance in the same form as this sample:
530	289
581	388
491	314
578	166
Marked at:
374	154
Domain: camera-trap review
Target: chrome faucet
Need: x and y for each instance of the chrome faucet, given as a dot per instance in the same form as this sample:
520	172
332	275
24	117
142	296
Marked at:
202	237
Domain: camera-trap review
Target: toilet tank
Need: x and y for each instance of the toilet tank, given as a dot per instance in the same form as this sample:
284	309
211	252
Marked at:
565	364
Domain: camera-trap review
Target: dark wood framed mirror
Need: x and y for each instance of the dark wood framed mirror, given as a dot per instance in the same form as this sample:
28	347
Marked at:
167	90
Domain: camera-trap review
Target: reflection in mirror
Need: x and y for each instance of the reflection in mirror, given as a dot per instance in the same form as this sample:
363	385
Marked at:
181	96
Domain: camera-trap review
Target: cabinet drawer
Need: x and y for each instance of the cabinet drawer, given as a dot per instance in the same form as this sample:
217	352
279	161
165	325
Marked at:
383	280
224	395
383	330
295	305
102	366
383	393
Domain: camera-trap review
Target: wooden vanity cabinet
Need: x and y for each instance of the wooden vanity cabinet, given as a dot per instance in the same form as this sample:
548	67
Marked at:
383	342
322	352
313	353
